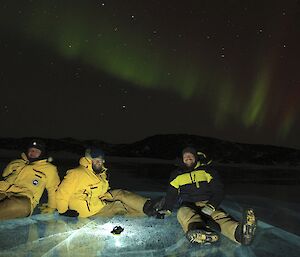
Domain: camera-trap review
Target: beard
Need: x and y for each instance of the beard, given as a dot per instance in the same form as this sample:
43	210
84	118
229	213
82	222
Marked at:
35	159
97	168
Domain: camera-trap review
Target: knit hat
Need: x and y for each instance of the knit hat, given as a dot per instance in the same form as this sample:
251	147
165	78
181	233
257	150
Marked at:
38	144
94	153
199	156
191	150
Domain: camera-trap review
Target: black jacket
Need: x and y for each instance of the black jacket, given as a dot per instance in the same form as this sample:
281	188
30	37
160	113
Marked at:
201	183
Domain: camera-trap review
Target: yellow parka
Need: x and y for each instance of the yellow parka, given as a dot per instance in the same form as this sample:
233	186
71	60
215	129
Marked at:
82	190
30	179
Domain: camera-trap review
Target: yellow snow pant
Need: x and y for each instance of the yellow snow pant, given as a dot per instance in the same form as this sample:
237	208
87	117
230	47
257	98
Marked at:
122	202
187	216
14	206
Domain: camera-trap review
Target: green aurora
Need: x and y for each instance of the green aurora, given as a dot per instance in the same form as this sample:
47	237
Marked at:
125	53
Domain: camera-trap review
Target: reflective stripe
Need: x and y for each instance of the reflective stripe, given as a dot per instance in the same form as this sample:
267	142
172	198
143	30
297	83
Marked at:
42	173
195	176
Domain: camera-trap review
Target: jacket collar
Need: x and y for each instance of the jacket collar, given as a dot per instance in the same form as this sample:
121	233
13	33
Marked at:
87	163
25	159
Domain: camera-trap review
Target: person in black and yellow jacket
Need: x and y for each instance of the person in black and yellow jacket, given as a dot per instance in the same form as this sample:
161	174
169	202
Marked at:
24	181
199	190
85	191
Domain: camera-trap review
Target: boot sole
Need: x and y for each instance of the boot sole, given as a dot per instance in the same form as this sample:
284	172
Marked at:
249	227
202	237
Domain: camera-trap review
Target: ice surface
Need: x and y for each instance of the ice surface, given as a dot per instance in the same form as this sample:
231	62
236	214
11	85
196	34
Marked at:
53	235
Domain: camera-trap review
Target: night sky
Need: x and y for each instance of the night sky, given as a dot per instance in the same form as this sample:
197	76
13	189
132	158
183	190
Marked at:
120	71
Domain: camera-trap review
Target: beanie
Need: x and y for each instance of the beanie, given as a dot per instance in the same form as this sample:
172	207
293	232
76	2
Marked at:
94	153
38	144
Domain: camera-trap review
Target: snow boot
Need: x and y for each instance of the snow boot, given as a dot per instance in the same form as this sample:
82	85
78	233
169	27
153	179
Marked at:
202	236
248	227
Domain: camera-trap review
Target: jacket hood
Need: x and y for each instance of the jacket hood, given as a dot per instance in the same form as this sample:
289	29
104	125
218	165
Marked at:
87	163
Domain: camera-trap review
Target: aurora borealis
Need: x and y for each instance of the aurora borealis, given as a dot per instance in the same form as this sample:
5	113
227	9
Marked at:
220	69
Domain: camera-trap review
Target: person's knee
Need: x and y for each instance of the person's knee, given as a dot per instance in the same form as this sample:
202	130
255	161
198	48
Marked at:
217	215
21	206
182	212
118	194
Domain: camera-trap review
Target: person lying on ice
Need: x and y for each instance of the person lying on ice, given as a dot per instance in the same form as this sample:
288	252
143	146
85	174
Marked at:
24	181
85	191
200	191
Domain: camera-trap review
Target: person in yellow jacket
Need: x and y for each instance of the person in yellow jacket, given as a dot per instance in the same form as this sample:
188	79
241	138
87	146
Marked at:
24	181
85	191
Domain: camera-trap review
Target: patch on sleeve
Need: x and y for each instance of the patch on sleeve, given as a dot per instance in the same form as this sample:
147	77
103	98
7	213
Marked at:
35	182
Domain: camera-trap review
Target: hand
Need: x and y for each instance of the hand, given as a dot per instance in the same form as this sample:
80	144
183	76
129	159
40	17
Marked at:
208	209
152	207
70	213
162	214
158	203
45	209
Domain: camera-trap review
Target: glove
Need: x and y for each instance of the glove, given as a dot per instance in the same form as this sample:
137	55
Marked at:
70	213
162	214
159	203
152	207
208	209
45	209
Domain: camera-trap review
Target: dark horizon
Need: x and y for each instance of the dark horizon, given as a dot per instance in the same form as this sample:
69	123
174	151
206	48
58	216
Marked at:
145	138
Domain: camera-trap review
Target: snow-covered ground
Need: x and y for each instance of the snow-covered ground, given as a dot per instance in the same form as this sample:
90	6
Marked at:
52	235
277	207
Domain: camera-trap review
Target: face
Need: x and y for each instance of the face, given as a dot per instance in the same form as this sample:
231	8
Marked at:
97	164
33	153
188	159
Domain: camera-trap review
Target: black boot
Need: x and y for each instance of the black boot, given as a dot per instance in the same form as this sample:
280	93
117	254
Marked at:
202	236
199	233
245	231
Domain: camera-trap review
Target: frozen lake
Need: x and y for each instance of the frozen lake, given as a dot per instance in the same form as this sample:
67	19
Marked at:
52	235
275	201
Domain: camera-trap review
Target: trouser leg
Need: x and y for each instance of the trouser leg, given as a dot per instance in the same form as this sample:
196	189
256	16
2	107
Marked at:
112	208
189	219
14	207
132	202
227	224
